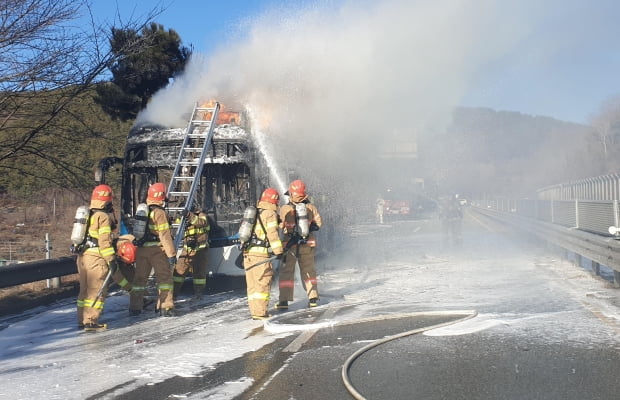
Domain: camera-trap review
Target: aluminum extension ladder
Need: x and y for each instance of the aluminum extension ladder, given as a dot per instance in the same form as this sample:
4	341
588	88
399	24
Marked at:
185	179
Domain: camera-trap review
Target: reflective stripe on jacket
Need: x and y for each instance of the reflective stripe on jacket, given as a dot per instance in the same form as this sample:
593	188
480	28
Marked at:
159	227
197	231
100	229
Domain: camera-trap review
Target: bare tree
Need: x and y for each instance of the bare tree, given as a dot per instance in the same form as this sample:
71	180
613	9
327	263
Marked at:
606	132
48	63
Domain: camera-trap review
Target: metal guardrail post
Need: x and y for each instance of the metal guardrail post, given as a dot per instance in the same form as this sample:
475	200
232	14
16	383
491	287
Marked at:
576	213
53	283
552	211
578	260
596	268
616	218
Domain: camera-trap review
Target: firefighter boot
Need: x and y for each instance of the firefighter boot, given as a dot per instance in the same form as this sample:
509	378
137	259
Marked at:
198	291
282	305
95	327
176	291
168	312
313	302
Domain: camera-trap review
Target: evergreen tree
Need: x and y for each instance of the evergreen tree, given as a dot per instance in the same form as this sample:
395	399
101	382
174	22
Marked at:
136	76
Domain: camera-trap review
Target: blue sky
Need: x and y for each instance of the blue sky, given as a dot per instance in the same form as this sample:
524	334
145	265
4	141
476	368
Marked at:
562	61
199	23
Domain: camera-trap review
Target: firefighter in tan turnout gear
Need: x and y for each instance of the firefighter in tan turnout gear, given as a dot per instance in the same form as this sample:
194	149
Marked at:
299	219
193	259
155	251
96	258
263	244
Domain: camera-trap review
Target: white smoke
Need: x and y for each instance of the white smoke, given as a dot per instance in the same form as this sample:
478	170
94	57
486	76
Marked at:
338	80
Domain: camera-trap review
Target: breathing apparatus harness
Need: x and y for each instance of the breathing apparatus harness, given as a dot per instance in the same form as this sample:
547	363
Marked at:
254	240
88	242
302	230
147	235
80	228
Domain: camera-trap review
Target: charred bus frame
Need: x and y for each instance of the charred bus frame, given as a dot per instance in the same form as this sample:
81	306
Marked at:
232	178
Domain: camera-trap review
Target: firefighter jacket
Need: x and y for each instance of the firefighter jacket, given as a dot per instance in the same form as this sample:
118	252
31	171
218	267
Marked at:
100	236
265	237
158	231
450	209
197	231
289	221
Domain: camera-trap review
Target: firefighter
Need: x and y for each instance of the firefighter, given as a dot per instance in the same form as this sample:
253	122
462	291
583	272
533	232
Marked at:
155	251
264	242
300	245
193	259
451	216
95	259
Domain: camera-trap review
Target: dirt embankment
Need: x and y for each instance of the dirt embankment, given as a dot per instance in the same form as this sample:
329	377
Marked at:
23	229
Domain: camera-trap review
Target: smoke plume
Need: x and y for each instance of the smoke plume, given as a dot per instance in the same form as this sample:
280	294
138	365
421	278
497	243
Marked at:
335	82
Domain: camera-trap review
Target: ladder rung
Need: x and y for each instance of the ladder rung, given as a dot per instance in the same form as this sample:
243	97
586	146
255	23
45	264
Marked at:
188	162
176	209
183	178
179	194
194	149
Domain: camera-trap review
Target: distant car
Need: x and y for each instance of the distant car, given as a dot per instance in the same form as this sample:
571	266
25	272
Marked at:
463	202
397	207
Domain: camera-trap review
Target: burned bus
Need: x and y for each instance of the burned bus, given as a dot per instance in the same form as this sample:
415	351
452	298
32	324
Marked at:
233	175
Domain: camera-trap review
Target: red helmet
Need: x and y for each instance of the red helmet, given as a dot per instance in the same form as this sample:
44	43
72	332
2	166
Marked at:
127	252
157	192
270	195
102	193
297	188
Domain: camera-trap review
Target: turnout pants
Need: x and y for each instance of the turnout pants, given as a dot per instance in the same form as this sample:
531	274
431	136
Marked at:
452	231
124	276
194	262
304	255
92	270
153	258
258	279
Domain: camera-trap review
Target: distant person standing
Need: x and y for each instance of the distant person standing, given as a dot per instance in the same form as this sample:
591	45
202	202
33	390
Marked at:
265	241
155	252
451	216
299	219
96	257
380	208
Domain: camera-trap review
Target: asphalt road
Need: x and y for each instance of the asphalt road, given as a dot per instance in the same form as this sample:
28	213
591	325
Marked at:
491	319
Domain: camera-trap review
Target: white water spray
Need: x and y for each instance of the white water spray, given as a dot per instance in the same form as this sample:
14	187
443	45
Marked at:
261	141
